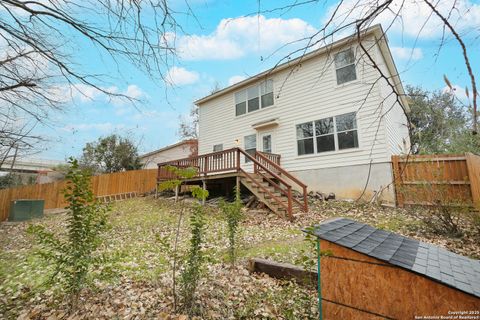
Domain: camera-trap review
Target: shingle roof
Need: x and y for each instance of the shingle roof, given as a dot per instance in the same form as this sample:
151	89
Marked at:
428	260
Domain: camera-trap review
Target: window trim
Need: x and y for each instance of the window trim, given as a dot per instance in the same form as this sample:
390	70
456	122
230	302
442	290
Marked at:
358	76
260	104
335	133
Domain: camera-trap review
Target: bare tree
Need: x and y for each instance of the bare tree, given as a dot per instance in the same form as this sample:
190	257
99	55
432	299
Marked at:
39	66
358	15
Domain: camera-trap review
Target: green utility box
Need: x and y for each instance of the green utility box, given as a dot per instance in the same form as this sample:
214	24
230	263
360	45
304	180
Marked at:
21	210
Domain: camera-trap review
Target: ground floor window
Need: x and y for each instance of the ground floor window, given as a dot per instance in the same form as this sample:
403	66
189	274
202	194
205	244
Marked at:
327	134
250	145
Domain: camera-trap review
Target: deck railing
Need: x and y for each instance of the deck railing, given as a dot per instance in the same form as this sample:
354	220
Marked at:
266	165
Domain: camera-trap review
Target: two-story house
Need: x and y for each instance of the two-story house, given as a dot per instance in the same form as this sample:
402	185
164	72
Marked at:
330	116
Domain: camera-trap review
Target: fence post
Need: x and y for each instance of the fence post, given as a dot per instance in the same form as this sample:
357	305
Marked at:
397	179
290	209
473	168
305	199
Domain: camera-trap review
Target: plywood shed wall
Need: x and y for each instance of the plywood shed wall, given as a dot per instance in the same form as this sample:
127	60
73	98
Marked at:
363	287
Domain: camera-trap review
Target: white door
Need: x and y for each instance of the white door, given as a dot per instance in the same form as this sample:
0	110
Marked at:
266	142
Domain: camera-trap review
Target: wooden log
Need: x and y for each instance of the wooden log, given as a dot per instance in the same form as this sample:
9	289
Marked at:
282	271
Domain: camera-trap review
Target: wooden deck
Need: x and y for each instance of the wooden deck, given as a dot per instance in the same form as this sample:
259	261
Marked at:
269	182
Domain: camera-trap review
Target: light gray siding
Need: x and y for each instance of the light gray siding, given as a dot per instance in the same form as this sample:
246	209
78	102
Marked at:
305	92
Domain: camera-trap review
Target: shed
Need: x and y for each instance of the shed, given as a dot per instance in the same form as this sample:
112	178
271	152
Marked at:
370	273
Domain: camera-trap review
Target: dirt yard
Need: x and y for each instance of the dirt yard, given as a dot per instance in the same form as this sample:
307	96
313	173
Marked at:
135	279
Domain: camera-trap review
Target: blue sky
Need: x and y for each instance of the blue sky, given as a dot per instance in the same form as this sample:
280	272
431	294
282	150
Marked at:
217	50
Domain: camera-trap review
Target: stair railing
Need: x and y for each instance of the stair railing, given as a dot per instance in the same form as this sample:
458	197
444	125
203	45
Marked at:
287	190
260	156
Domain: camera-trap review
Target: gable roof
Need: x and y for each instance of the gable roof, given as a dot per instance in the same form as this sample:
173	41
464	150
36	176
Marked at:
171	146
375	30
422	258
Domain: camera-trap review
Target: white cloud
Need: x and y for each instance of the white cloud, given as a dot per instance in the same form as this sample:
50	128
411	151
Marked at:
179	76
103	127
235	79
403	53
84	93
412	15
235	38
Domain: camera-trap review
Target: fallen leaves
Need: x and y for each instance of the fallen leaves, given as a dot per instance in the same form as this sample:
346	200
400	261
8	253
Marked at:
135	279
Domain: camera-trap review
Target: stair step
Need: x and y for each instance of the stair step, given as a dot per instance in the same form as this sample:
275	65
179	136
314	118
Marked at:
276	194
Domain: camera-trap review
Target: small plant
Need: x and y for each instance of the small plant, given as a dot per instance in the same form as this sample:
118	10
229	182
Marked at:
195	259
233	216
192	271
74	254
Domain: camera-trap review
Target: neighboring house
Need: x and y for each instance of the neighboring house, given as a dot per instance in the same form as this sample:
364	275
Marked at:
33	170
179	150
332	118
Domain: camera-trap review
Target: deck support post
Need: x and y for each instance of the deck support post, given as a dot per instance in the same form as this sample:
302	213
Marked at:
204	186
237	187
177	189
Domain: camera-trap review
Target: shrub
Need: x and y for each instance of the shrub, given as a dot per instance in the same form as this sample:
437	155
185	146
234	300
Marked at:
192	271
232	213
73	254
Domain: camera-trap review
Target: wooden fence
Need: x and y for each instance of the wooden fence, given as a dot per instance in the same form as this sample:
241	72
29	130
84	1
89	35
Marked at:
107	184
430	179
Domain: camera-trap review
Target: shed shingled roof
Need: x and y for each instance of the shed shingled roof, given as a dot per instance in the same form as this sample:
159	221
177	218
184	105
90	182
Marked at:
425	259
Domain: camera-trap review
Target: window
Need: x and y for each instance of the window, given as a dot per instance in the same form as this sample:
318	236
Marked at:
267	143
250	145
254	98
325	136
347	131
305	138
240	102
345	66
266	92
328	134
217	147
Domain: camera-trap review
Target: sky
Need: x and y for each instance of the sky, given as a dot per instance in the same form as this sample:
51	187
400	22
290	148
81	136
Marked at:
225	42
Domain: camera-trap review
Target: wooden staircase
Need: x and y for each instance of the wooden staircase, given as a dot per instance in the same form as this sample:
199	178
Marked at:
274	200
269	182
272	185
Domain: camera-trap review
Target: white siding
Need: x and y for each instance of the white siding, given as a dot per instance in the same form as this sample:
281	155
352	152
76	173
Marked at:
174	153
309	92
396	129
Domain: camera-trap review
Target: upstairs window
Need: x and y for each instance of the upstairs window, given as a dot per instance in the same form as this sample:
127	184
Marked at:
345	66
250	145
328	134
240	102
254	98
266	92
